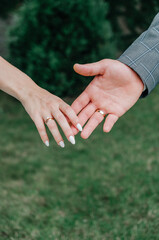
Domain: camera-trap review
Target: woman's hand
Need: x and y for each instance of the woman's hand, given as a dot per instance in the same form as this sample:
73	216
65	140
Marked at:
42	105
39	104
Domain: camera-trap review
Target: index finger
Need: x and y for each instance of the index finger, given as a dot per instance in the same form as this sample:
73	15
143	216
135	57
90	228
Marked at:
80	102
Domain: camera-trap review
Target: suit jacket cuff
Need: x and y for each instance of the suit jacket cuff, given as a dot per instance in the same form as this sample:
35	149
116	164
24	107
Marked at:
143	56
148	86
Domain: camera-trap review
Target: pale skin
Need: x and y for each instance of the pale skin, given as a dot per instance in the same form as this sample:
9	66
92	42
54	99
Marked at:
39	104
114	90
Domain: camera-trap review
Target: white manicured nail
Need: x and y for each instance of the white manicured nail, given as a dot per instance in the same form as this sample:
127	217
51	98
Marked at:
62	144
72	139
47	143
79	127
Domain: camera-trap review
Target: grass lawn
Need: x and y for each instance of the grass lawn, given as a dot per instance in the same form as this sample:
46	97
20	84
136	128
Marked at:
103	188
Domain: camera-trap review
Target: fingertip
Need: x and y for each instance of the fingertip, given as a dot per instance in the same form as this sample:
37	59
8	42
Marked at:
72	140
109	122
79	127
75	66
106	129
47	144
84	136
81	69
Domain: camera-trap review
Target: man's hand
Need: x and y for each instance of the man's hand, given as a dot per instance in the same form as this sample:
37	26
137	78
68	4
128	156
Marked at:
114	90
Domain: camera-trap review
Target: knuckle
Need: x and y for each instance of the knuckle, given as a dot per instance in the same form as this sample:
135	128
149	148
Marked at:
54	108
58	100
49	106
104	61
82	102
91	71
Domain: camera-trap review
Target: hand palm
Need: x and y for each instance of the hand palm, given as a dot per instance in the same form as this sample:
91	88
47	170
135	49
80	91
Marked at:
115	89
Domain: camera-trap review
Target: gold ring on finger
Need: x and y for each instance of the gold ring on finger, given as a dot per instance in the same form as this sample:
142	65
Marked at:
101	112
48	119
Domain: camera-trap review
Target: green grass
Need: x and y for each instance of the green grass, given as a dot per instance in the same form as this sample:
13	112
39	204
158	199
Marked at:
106	187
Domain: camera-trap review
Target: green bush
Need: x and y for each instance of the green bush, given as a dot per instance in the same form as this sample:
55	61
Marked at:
6	6
130	18
50	36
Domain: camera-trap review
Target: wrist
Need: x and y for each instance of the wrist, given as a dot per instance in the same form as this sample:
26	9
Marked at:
14	82
134	80
137	80
27	91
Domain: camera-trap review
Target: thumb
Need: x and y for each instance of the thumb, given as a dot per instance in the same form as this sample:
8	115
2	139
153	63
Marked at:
91	69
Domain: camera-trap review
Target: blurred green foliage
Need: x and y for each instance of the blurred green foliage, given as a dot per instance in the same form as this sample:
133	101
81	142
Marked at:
50	36
130	18
8	5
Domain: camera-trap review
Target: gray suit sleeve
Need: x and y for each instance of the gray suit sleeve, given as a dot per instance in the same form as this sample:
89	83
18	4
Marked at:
143	56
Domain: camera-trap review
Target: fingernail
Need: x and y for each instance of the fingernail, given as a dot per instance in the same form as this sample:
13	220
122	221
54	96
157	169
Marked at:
79	127
47	143
62	144
72	139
